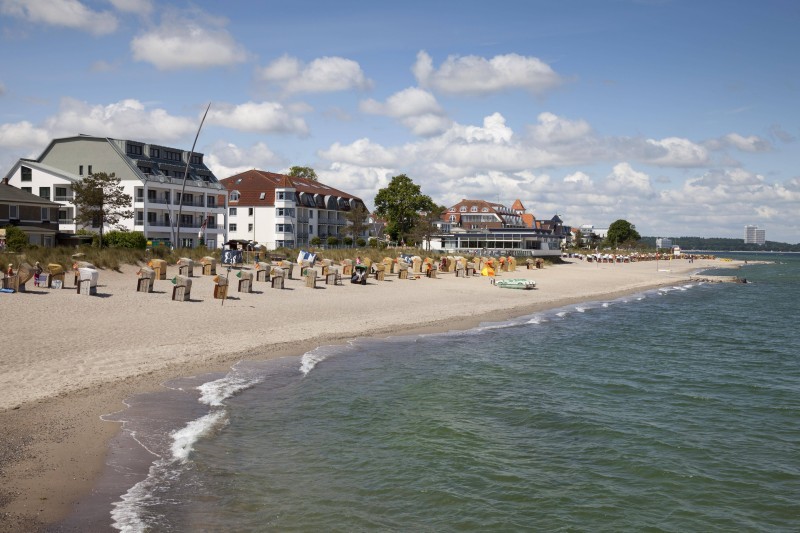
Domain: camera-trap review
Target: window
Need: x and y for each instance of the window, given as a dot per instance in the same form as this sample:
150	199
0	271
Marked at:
80	170
45	214
89	170
232	227
134	149
196	160
139	217
311	213
44	192
281	195
452	218
463	209
485	210
173	156
262	196
249	227
249	211
151	217
232	211
13	212
234	197
452	209
61	194
27	189
284	228
285	212
26	174
211	201
474	209
155	153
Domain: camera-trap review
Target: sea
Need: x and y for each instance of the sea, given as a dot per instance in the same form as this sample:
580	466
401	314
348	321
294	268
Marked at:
675	409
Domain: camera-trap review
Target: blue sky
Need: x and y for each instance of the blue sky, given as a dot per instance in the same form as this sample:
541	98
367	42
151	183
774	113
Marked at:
680	116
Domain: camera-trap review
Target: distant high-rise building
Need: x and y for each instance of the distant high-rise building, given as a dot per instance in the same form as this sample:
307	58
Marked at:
753	235
663	242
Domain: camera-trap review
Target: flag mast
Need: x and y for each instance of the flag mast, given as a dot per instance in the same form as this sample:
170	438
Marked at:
177	225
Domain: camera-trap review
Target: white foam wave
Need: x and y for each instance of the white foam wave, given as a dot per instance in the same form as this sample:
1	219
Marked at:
537	320
311	359
562	314
581	309
605	304
215	392
184	439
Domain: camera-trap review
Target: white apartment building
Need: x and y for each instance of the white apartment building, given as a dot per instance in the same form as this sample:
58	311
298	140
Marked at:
275	210
753	235
151	174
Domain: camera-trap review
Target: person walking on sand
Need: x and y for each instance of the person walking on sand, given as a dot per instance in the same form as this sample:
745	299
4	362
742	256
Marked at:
10	270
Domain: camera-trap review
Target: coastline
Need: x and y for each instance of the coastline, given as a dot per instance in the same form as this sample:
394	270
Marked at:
54	444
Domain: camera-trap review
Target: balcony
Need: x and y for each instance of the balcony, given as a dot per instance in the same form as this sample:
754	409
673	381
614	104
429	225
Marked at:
68	198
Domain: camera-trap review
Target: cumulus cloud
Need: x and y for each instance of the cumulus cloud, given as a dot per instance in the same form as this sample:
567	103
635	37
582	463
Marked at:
625	180
480	76
260	117
124	119
324	74
22	135
191	40
143	7
677	152
751	143
65	13
416	109
226	159
361	152
553	129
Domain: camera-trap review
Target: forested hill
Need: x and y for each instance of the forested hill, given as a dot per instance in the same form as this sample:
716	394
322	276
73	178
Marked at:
718	244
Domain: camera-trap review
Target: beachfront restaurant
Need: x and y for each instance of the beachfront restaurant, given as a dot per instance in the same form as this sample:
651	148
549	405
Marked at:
512	241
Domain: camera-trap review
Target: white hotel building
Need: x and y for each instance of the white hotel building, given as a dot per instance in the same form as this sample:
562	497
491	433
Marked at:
151	174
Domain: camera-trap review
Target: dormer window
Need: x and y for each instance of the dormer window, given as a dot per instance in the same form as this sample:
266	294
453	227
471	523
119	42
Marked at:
234	197
452	209
262	196
485	210
474	209
463	209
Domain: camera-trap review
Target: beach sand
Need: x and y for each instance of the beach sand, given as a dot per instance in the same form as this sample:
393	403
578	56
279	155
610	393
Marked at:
67	359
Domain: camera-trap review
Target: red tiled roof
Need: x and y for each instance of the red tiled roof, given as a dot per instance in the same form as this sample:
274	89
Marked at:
252	183
518	205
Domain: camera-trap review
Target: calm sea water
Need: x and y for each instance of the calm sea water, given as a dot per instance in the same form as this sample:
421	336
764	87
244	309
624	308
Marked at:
671	410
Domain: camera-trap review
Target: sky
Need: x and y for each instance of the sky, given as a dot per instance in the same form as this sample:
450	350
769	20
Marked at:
679	116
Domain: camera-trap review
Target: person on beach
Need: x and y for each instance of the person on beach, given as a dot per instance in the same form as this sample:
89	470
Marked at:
37	271
10	271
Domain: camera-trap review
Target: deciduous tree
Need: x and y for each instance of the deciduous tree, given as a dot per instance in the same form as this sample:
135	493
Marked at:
620	232
400	203
303	172
101	200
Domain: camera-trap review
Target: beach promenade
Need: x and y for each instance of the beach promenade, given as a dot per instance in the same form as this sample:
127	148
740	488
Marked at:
67	359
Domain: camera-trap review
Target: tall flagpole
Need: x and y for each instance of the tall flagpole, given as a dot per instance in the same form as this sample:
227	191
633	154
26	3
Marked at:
185	175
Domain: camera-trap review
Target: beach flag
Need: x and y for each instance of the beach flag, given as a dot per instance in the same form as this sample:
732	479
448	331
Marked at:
239	274
175	280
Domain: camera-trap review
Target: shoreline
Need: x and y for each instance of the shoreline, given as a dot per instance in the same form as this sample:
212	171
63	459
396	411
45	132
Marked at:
55	445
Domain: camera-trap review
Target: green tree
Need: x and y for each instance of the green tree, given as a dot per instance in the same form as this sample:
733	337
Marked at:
303	172
621	232
357	217
16	239
101	200
400	204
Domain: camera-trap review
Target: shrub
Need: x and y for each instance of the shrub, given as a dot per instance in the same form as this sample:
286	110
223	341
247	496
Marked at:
348	241
360	242
125	239
315	241
16	239
373	243
332	241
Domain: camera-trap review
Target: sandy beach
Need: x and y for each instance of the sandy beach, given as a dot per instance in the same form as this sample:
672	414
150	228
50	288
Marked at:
68	359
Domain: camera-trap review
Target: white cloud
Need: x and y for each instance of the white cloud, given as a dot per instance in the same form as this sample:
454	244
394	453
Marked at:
480	76
553	129
22	135
416	108
677	152
189	40
578	180
324	74
226	159
143	7
362	152
124	119
260	117
752	143
627	181
64	13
